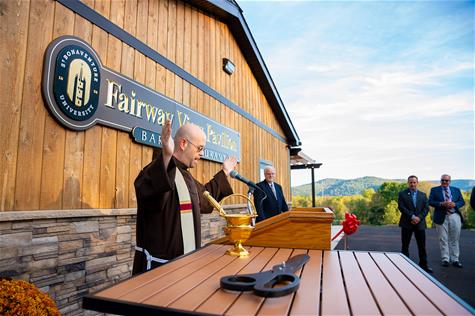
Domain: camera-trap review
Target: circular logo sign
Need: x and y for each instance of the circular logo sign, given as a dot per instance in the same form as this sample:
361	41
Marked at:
76	82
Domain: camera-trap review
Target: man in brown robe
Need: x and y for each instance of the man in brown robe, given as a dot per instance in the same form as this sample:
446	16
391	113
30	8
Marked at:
159	229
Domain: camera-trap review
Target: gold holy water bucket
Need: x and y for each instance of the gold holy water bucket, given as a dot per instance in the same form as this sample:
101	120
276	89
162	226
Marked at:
238	226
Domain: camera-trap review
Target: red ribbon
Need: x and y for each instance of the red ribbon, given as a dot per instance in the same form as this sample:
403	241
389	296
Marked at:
350	225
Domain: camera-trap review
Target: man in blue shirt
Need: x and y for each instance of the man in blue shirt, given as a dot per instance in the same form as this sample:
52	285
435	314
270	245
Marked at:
413	206
447	201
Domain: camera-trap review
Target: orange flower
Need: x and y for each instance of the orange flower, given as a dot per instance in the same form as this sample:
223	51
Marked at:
18	297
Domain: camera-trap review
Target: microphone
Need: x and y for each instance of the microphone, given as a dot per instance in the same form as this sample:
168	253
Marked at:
234	174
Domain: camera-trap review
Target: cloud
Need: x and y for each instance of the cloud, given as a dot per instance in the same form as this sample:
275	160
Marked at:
375	87
382	93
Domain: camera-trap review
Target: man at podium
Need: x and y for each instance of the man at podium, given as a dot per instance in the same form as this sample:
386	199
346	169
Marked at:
170	200
274	203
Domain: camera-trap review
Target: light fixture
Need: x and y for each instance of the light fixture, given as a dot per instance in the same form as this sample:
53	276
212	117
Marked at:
228	66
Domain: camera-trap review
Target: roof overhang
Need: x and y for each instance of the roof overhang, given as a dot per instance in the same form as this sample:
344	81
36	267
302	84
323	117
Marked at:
300	160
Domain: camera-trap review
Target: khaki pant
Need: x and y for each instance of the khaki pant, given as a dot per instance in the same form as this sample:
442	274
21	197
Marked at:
449	235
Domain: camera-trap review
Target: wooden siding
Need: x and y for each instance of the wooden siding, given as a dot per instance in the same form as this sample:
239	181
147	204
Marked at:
45	166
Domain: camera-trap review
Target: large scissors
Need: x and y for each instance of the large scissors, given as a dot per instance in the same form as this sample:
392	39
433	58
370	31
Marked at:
279	281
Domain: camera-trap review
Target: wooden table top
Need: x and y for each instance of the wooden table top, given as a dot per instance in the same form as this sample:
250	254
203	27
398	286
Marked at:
332	283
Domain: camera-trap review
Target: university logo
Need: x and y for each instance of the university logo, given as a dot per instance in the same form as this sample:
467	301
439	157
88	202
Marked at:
77	82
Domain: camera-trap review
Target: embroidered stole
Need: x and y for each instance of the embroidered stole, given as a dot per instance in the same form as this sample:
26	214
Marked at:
186	213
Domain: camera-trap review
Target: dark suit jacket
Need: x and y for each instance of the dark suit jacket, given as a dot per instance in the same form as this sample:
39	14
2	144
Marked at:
437	196
270	206
472	199
407	209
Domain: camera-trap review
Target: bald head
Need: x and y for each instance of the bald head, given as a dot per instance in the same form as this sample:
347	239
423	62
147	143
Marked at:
189	141
190	132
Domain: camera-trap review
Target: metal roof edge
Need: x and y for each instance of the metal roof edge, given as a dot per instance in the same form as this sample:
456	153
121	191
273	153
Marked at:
230	12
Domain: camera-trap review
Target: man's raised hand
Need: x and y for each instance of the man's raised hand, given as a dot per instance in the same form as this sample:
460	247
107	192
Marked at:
229	164
168	146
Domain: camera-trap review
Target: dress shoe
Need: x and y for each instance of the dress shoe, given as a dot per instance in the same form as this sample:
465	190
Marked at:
457	264
445	263
427	269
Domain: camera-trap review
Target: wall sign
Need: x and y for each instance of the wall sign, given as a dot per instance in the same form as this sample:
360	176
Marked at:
80	93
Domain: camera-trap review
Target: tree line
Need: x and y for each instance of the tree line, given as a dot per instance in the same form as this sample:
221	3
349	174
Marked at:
378	207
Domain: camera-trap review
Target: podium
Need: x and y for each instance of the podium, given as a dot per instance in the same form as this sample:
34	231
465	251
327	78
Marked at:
331	282
304	228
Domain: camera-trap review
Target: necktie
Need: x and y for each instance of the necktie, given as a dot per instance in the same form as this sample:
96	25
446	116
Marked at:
414	198
446	194
447	198
273	189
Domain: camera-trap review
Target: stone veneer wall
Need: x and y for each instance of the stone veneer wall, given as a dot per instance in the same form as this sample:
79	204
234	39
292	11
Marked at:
70	253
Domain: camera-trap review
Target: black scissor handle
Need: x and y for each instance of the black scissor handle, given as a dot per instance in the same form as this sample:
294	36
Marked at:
262	283
243	282
289	284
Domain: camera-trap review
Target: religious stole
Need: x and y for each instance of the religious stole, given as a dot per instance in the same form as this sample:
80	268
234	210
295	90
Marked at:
186	213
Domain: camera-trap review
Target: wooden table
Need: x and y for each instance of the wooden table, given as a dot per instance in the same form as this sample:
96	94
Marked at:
332	283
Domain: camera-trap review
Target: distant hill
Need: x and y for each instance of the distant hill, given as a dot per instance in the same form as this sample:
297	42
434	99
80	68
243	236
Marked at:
342	187
462	184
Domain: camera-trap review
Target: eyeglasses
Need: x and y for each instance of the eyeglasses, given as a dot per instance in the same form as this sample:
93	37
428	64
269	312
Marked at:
443	180
199	148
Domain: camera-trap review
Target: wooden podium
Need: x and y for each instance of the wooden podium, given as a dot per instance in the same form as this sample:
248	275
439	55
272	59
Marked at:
331	282
304	228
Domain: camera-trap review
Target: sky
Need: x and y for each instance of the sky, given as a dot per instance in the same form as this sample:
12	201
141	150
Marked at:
373	88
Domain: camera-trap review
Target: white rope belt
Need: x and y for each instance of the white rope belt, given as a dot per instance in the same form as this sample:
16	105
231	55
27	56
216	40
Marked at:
150	258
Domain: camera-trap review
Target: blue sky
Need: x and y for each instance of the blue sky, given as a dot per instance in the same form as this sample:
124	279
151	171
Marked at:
380	89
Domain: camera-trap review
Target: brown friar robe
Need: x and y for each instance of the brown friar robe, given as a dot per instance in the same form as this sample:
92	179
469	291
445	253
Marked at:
158	209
